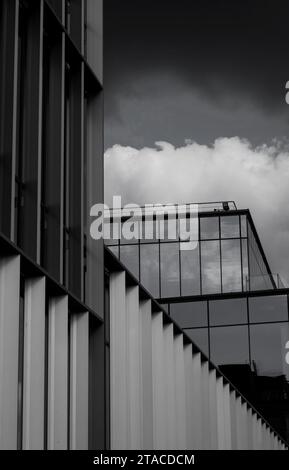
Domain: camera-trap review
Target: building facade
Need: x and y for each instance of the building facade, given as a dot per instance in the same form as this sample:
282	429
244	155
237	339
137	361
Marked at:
52	347
227	258
85	350
165	392
223	294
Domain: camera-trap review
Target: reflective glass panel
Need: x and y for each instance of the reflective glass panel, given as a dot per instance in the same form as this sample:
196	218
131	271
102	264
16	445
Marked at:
268	308
148	233
230	226
188	228
129	256
170	270
199	336
229	345
130	232
190	271
268	349
114	233
209	227
231	265
246	286
167	229
149	263
228	311
243	226
189	314
211	270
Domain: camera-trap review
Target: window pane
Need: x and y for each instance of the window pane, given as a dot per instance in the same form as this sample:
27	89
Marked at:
243	226
167	229
228	312
149	256
246	285
268	348
190	314
259	276
190	271
209	227
148	234
229	345
130	228
199	336
268	308
170	270
231	266
188	228
230	227
114	233
211	271
129	256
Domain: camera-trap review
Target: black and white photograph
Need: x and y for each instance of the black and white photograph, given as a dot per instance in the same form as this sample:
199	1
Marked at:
144	230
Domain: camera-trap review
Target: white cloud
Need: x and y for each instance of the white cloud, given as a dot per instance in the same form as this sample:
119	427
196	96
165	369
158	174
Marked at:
231	169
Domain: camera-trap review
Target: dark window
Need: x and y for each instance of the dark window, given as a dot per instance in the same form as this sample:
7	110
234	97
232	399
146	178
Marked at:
73	170
52	154
229	345
199	336
268	308
129	256
228	311
57	7
189	314
268	349
7	83
75	20
149	256
170	270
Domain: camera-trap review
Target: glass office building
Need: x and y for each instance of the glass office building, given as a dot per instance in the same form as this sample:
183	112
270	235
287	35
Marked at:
228	256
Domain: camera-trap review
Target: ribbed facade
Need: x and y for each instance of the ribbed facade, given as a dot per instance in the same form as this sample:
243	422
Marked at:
165	394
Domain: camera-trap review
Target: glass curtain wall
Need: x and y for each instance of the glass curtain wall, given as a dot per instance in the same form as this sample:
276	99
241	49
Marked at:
226	258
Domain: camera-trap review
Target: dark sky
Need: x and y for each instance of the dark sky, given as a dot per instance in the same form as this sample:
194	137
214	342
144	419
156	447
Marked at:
199	70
